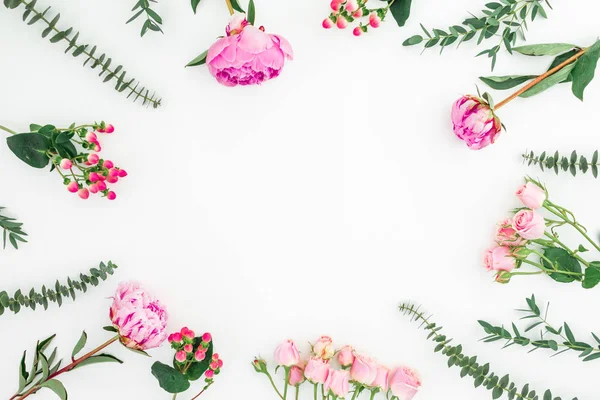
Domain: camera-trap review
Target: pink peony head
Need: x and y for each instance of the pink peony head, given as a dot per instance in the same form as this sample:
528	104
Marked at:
317	370
286	354
404	383
507	236
346	356
381	380
324	348
363	370
337	383
529	224
532	196
474	122
140	319
499	258
247	55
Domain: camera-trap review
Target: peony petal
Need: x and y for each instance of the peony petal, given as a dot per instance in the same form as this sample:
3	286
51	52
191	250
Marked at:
254	40
284	45
218	46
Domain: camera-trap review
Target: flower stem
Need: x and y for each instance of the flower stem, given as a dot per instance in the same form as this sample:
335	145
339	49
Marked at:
297	391
8	130
68	368
549	204
316	388
373	393
273	384
539	79
174	396
229	6
287	381
567	249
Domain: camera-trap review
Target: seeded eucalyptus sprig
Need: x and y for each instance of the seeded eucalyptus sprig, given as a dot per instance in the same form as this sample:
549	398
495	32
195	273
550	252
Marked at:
505	20
469	366
123	82
556	162
153	20
11	231
55	293
560	341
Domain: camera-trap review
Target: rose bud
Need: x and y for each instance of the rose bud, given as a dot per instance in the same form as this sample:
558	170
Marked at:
532	196
503	277
381	380
286	354
474	122
404	383
346	356
338	383
529	224
324	348
364	370
297	374
260	365
499	258
317	370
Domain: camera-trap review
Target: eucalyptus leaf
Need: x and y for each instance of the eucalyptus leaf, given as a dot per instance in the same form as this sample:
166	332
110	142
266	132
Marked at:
506	82
548	49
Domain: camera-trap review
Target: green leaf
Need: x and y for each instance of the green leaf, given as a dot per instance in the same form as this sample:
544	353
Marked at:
200	60
411	41
100	358
236	6
592	275
80	344
31	148
34	127
400	10
23	374
550	81
506	82
592	357
195	5
110	329
585	70
57	387
549	49
251	12
171	380
563	262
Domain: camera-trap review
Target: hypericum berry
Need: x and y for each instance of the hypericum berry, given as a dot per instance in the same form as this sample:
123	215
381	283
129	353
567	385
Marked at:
122	173
108	164
199	356
91	137
93	159
112	179
336	5
206	337
220	362
93	177
357	31
214	365
327	23
215	356
113	172
185	331
342	22
109	128
73	187
175	337
83	193
111	195
210	374
101	185
358	13
98	148
93	188
181	356
351	6
374	20
188	348
65	163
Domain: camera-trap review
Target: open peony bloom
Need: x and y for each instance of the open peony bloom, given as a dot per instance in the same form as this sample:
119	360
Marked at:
247	55
474	122
140	319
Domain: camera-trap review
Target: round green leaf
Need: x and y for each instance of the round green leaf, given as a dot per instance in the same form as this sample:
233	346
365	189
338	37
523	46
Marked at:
31	148
563	262
171	380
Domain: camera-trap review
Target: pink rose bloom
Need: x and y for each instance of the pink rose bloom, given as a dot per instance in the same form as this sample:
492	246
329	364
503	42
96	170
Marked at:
247	55
324	348
364	370
381	380
286	354
346	356
531	195
317	370
529	224
140	319
474	122
338	383
297	374
499	258
507	236
404	383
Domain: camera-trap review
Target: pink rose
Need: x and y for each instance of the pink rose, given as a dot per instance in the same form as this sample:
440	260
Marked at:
364	370
381	380
324	348
140	319
317	370
532	196
529	224
507	236
404	383
297	374
474	122
286	354
499	258
247	55
338	383
346	356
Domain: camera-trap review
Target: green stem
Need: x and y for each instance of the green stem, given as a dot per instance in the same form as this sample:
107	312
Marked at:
551	271
297	391
287	382
566	248
356	392
174	396
373	393
527	273
273	384
549	204
229	7
323	391
316	388
8	130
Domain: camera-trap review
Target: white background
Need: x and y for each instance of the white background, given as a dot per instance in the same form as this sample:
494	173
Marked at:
311	205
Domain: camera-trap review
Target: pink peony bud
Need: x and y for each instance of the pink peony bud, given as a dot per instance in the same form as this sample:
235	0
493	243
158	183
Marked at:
532	196
327	23
317	370
83	193
93	159
206	337
346	356
91	137
364	370
199	356
108	164
342	22
404	383
187	333
286	354
357	31
188	348
73	187
181	356
351	6
101	186
65	163
374	20
474	122
335	5
93	188
109	129
338	383
296	374
111	195
381	380
324	348
529	224
209	374
499	258
122	173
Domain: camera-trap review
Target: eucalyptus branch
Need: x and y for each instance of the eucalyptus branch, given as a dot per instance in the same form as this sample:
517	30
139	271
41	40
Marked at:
562	339
153	20
511	15
123	83
469	366
11	230
59	291
572	164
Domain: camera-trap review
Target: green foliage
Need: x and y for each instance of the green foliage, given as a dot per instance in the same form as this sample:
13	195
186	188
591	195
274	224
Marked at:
195	4
11	231
557	162
506	19
562	262
31	148
585	69
153	20
200	60
170	379
400	10
251	12
469	366
123	83
555	340
55	293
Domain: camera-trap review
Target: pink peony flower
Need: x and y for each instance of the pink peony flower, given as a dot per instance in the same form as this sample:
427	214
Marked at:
65	163
140	319
404	383
474	122
324	348
381	380
286	354
337	383
296	373
247	55
507	236
363	370
499	258
317	370
346	356
529	224
532	196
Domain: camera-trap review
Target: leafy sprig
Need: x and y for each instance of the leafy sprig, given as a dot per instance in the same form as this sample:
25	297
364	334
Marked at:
557	162
153	20
123	83
55	293
481	375
504	19
11	231
556	340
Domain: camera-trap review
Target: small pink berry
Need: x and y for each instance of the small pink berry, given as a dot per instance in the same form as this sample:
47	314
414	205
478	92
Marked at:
113	172
109	128
358	13
335	5
374	20
93	177
327	23
101	185
84	193
215	356
93	188
214	365
111	195
73	187
357	31
181	356
351	6
93	158
188	333
122	173
112	179
98	148
101	177
108	164
101	130
91	137
188	348
342	22
177	337
170	338
209	374
65	163
199	356
220	363
206	337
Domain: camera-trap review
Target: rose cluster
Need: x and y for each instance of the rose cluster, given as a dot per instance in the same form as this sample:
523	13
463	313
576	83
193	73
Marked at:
347	11
340	372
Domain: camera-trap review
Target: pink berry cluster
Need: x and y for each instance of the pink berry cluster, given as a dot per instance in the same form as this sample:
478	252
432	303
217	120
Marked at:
346	11
190	349
87	173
